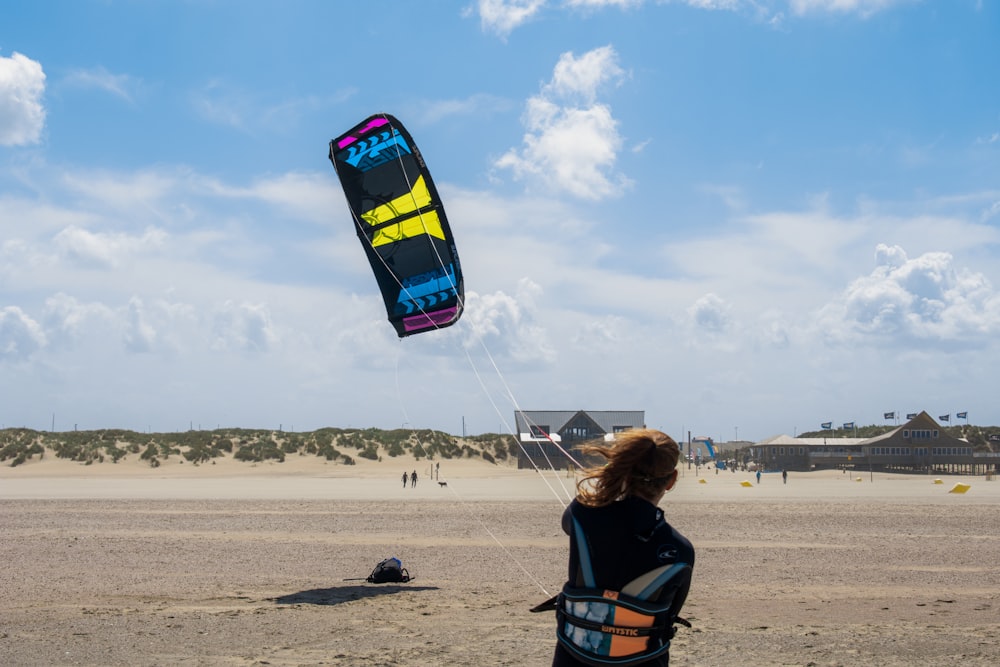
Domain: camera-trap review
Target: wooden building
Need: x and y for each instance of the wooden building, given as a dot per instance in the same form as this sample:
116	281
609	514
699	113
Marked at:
919	445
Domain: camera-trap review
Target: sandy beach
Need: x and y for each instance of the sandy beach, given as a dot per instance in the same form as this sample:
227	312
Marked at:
245	564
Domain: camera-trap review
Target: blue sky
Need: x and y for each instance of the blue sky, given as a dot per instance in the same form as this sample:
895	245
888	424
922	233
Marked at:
745	217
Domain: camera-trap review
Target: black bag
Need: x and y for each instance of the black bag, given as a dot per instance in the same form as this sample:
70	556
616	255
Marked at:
389	571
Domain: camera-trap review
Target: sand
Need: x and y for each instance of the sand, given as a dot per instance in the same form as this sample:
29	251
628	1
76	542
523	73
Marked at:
240	564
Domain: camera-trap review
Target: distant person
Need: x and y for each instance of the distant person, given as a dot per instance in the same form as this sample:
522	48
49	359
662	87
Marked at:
405	479
437	469
618	534
784	477
413	479
758	475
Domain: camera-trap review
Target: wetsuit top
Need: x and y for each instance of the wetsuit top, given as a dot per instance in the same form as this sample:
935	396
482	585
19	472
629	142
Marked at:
627	538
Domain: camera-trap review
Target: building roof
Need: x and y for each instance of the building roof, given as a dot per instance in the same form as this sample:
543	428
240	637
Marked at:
607	420
787	440
921	421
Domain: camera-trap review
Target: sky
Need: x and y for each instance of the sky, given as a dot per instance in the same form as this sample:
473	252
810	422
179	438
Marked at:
743	217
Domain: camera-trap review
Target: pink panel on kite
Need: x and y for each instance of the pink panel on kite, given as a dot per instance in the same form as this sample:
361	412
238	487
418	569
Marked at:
376	122
431	320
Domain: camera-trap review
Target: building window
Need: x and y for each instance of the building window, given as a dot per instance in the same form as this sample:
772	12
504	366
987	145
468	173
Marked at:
620	429
539	430
906	433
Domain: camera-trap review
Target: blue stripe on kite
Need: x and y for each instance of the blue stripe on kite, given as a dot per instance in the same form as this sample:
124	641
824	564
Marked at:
377	150
440	283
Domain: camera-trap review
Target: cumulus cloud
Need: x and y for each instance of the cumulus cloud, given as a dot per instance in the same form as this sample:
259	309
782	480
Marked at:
244	327
509	323
502	16
139	336
67	319
925	298
20	335
710	314
22	115
572	141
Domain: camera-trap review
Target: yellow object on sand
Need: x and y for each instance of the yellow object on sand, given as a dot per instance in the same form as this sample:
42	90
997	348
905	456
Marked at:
703	481
746	482
960	488
938	481
857	479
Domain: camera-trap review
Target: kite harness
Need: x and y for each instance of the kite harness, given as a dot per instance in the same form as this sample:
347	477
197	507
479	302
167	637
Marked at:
628	627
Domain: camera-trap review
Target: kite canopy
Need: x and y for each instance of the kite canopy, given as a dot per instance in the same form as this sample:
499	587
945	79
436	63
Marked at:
401	222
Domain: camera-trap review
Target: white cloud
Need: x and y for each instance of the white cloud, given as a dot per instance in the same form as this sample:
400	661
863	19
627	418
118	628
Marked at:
480	104
20	336
105	250
581	78
572	142
244	327
139	335
502	16
710	314
861	7
509	324
99	78
68	321
924	300
22	115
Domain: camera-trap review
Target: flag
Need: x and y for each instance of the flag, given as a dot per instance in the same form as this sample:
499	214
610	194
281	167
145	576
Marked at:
848	426
888	415
961	415
826	426
911	415
945	418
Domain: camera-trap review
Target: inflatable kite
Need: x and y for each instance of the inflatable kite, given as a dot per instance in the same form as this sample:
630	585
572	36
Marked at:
401	222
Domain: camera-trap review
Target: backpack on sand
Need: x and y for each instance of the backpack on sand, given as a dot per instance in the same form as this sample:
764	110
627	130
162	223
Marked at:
390	570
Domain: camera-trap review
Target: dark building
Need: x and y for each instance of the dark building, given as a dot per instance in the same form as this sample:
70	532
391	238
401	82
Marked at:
545	436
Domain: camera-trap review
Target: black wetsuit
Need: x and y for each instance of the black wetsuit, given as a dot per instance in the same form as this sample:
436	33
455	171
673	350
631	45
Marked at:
627	539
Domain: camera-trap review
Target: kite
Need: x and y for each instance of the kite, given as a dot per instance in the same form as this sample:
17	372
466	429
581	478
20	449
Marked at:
401	223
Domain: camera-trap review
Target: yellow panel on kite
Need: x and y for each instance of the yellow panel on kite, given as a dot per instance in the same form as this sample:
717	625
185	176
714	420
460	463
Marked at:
416	198
960	488
427	223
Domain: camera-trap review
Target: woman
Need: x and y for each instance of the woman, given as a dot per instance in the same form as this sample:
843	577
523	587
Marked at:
623	551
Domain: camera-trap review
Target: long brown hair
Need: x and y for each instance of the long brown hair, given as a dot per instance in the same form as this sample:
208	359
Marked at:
640	463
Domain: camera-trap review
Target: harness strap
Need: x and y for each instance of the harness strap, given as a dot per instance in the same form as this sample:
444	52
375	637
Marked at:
583	550
647	585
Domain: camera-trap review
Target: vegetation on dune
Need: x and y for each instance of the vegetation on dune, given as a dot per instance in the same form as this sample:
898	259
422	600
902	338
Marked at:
19	445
